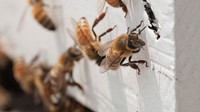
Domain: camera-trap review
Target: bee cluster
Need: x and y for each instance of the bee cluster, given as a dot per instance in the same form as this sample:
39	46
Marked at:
49	84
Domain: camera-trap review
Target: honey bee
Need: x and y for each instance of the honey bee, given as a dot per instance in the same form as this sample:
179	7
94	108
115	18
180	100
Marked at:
52	84
87	39
40	14
64	66
23	73
113	3
117	50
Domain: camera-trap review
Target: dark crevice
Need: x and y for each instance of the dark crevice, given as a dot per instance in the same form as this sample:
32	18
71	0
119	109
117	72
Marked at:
152	19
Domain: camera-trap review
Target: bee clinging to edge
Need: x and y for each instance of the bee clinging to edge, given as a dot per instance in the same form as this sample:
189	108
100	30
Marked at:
113	3
87	39
40	14
117	50
55	84
64	67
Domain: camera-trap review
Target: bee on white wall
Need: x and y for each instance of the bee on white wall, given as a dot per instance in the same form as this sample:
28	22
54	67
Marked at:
117	50
87	39
40	15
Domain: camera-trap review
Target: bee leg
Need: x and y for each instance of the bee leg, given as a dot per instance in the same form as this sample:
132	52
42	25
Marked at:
121	63
97	20
137	27
140	61
72	82
134	66
140	31
136	51
107	31
124	8
128	30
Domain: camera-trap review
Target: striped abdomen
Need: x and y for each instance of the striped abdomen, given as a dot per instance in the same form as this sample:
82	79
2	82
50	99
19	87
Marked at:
114	3
84	34
41	16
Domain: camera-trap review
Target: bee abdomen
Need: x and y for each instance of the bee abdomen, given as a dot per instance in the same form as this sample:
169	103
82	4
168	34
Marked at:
83	32
41	16
114	3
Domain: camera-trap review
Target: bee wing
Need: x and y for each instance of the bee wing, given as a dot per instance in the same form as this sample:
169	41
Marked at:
104	48
100	5
74	23
21	20
35	59
72	34
106	64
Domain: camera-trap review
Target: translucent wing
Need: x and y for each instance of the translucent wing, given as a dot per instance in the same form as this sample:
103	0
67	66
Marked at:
74	24
106	64
100	5
35	59
104	48
21	20
72	34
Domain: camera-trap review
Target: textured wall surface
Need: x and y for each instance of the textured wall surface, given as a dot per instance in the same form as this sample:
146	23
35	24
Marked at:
114	91
123	90
187	55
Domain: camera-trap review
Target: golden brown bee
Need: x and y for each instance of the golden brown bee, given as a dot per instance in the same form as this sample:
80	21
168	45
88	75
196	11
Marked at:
117	50
40	15
23	75
64	66
43	89
113	3
53	87
87	38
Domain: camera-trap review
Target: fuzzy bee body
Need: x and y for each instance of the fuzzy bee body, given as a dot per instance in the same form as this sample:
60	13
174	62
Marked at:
87	41
117	50
41	15
84	33
114	3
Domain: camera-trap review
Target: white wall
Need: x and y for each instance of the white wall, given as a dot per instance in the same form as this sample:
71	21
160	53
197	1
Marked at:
187	55
122	90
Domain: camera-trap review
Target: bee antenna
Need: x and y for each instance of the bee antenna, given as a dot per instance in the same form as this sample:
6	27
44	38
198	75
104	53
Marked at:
128	30
140	31
137	27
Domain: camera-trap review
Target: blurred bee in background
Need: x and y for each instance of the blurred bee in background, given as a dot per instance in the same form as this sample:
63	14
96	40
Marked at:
117	50
23	73
5	102
87	39
52	84
113	3
43	89
58	82
40	15
65	66
152	19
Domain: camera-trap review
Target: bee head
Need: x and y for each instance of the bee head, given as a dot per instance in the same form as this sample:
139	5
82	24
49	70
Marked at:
75	53
134	42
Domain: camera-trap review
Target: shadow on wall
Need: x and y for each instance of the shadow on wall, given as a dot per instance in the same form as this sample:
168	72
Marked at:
187	55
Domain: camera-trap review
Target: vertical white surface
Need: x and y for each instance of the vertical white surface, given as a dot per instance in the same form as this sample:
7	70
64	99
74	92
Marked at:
114	91
187	55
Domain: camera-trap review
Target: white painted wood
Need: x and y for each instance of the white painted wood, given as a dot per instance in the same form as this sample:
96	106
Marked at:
122	90
187	55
